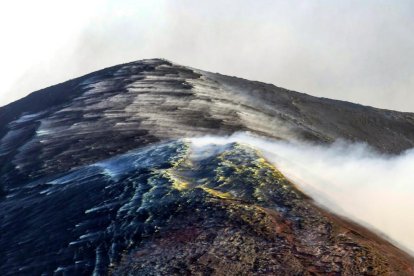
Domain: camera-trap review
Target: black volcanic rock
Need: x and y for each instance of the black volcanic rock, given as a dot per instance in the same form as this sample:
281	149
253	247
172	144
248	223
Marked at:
79	222
159	211
93	179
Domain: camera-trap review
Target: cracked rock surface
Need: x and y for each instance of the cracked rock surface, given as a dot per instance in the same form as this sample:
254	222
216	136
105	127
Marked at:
159	211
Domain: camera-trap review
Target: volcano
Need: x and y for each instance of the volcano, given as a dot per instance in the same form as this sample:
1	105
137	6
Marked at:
98	175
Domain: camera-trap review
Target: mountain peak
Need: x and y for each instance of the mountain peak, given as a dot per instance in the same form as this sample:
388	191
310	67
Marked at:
92	164
130	105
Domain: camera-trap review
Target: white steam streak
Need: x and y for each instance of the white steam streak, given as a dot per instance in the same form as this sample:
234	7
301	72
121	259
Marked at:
349	179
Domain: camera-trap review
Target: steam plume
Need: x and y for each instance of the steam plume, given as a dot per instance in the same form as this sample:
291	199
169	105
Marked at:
353	180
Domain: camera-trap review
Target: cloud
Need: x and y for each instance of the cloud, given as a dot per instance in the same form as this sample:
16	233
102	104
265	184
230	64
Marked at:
353	50
349	179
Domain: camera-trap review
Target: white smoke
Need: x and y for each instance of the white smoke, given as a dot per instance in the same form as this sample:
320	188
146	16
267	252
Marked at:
352	180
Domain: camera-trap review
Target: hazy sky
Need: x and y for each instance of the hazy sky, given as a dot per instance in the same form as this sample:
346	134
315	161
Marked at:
361	51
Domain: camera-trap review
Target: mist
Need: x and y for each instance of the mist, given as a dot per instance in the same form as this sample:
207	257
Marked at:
358	51
351	180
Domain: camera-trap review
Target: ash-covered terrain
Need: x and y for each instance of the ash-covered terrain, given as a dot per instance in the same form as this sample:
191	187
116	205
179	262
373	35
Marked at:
96	178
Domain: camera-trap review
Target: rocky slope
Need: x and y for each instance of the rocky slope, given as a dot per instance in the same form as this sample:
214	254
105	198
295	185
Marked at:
163	210
88	183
